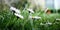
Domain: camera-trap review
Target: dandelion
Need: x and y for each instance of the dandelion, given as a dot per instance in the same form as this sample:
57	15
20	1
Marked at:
18	15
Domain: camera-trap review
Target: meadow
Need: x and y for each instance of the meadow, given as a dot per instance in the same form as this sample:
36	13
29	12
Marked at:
8	21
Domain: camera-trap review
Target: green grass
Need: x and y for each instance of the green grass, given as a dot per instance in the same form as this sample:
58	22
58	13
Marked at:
8	21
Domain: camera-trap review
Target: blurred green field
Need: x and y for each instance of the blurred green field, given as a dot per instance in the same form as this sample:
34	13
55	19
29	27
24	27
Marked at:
8	21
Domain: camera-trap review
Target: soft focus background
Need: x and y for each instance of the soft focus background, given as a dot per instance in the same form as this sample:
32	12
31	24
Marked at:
8	21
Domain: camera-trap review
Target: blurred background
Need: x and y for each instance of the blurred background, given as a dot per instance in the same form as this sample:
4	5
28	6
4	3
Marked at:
48	10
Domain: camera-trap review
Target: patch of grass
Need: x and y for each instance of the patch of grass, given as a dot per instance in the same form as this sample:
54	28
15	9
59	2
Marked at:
8	21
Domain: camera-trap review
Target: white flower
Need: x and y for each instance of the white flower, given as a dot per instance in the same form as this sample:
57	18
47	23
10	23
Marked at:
31	10
14	9
18	15
49	23
57	19
36	17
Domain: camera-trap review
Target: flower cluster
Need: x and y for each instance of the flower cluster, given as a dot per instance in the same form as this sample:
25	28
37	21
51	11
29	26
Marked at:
16	12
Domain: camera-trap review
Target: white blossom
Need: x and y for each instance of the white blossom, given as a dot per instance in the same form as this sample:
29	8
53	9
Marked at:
18	15
14	9
31	10
49	23
57	19
36	17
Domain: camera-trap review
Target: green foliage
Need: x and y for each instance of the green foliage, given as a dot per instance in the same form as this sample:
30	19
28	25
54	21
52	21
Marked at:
8	21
